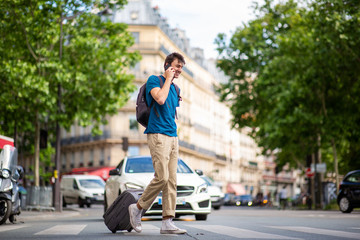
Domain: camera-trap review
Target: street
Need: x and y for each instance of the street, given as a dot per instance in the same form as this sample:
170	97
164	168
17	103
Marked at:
227	223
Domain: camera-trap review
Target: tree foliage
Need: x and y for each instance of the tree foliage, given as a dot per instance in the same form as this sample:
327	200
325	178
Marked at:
46	44
294	77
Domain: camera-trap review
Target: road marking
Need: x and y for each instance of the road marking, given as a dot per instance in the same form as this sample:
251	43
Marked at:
147	229
320	231
238	232
10	227
62	230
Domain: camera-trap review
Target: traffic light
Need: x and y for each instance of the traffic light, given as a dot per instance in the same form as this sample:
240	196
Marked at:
125	143
43	139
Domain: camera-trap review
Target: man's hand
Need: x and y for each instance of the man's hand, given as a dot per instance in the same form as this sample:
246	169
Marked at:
170	74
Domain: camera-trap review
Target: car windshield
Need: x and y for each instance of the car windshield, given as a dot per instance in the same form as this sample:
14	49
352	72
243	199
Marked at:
144	165
92	183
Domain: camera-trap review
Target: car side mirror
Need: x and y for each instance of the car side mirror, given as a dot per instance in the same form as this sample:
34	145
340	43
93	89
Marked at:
199	172
114	172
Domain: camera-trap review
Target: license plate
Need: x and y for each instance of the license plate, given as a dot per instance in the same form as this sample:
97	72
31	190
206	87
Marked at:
99	198
180	201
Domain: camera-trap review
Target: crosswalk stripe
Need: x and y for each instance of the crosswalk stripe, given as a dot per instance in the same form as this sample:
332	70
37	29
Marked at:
238	232
320	231
147	229
62	230
10	227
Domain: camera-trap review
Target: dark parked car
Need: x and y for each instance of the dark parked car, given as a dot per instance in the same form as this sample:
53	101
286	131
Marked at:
244	200
349	193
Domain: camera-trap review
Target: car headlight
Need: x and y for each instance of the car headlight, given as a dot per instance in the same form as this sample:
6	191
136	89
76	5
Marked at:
5	173
203	188
132	186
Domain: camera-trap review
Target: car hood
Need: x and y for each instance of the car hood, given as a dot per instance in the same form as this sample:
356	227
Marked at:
93	190
215	191
183	179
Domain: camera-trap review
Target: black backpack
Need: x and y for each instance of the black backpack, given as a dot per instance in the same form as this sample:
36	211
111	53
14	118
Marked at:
143	110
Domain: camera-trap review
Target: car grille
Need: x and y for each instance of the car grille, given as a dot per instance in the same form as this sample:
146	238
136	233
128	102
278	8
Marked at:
204	204
187	206
182	191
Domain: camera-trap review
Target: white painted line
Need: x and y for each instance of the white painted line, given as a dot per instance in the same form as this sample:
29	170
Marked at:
62	230
333	233
147	229
238	232
10	227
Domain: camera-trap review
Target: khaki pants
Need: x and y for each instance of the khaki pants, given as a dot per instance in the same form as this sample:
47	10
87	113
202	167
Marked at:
164	151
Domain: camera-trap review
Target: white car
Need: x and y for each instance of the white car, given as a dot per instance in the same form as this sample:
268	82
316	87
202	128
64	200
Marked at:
137	172
82	189
216	195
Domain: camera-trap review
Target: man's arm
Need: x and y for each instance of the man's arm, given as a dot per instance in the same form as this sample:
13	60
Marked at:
160	94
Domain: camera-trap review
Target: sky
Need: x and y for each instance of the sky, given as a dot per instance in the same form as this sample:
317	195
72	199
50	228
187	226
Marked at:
203	20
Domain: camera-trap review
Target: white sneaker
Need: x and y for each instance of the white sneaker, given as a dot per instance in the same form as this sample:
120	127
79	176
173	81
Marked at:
135	217
168	227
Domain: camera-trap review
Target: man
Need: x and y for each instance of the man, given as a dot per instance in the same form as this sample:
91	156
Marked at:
163	144
283	197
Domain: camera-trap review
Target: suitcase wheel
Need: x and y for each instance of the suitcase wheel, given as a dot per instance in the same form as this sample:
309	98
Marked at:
113	231
130	229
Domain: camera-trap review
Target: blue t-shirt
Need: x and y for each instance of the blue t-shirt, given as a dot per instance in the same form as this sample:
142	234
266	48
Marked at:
165	122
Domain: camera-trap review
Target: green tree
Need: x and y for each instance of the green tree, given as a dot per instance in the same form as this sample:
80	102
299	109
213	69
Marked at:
62	61
294	76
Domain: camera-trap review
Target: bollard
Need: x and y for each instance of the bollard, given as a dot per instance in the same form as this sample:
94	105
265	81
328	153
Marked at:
46	197
34	196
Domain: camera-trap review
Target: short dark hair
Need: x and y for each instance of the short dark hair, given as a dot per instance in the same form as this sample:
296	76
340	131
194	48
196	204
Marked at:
171	57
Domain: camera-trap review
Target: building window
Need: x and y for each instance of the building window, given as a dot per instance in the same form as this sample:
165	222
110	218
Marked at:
102	157
134	150
91	158
136	36
81	164
72	131
133	123
64	161
72	164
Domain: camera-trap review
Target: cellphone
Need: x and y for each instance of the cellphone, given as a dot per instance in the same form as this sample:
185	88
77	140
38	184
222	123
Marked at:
167	66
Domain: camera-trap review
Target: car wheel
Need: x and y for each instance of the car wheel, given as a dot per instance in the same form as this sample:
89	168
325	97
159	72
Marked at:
201	217
88	205
344	205
81	203
64	203
217	207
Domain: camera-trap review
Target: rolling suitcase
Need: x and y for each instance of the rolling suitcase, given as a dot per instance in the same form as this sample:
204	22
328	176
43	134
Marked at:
117	216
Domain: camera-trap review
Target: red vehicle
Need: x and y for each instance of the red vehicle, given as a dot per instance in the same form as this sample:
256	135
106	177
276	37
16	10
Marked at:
102	172
6	141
